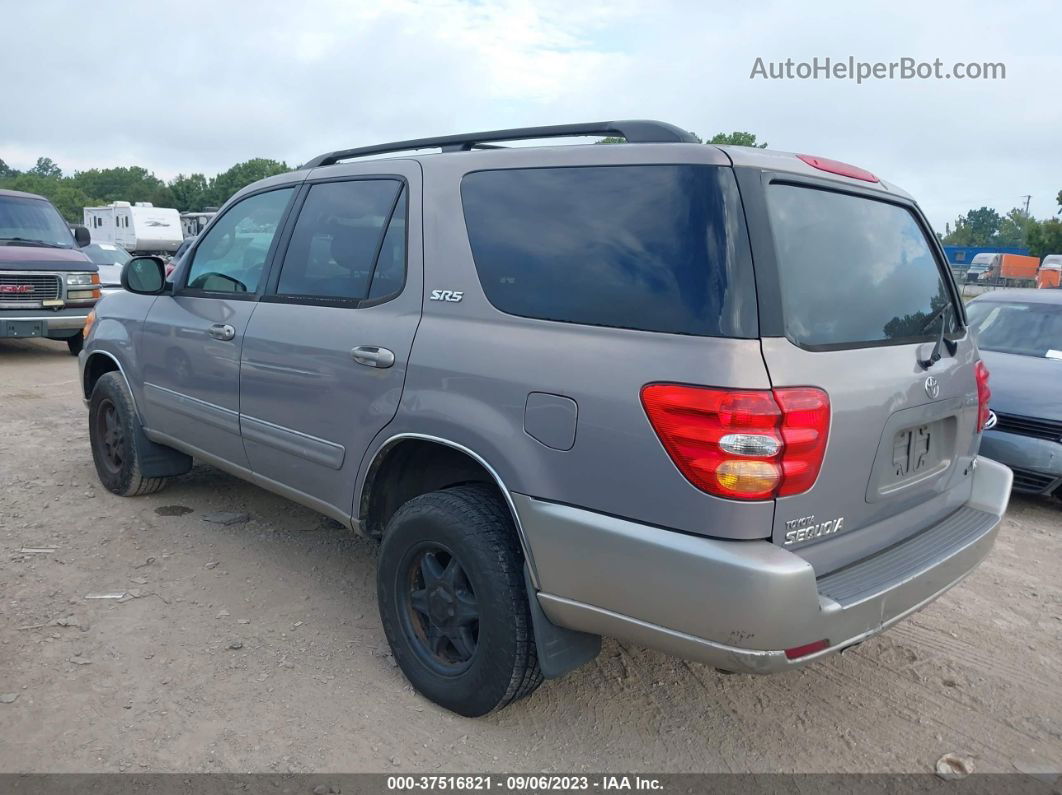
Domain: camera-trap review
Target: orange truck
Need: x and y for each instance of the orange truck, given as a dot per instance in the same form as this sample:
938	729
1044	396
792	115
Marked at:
1050	271
1012	270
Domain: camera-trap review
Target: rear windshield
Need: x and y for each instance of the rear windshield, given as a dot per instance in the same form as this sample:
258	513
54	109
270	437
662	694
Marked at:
853	271
1025	329
654	248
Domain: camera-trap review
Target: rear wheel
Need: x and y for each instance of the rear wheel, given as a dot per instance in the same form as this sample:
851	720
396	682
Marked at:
112	434
453	600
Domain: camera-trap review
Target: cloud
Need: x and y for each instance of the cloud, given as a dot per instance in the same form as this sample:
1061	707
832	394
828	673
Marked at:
189	86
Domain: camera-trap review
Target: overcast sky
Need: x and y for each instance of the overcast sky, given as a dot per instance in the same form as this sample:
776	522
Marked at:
189	86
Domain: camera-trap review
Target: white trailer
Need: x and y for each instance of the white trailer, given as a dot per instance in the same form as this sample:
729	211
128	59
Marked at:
139	228
194	223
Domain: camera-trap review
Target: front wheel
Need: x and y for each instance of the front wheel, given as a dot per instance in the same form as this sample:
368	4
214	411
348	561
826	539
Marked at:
76	343
112	433
453	600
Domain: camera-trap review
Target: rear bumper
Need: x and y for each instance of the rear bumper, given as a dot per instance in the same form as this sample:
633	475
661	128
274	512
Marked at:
60	323
738	605
1037	463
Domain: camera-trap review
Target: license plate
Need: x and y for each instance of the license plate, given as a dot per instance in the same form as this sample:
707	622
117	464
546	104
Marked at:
22	328
913	451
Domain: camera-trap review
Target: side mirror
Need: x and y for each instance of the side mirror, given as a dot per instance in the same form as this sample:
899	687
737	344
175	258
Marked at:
144	276
81	236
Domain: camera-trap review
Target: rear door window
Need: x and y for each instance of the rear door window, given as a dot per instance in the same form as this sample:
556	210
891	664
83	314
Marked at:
648	247
853	271
348	243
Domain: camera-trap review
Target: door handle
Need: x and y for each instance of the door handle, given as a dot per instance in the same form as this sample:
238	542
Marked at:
372	356
221	332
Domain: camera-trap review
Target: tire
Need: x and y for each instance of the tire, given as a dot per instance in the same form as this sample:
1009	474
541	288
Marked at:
452	553
113	426
76	343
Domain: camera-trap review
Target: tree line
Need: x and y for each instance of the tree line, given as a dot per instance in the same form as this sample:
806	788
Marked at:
1017	229
98	186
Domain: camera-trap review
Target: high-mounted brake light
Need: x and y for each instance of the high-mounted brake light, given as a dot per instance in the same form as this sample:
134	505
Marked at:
742	444
983	395
837	167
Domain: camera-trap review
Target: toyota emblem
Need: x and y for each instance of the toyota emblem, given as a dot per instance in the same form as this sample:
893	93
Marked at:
932	388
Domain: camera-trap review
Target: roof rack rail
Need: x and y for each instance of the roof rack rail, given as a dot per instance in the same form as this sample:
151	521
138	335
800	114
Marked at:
633	131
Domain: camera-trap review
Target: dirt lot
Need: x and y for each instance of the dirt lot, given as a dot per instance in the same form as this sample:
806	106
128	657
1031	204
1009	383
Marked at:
153	683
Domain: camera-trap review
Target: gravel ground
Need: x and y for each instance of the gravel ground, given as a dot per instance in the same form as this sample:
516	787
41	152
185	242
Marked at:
257	646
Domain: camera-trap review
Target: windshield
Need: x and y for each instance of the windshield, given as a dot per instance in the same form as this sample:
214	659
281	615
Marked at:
33	221
1018	328
107	256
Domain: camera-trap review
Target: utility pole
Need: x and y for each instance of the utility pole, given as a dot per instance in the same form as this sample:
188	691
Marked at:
1028	198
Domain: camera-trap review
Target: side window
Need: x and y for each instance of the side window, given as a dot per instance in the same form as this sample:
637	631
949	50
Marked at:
647	247
231	257
336	245
390	276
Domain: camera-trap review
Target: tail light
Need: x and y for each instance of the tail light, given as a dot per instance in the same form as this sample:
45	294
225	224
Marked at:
742	444
983	394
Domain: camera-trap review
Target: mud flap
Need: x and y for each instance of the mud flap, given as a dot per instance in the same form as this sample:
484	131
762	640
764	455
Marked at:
158	460
560	650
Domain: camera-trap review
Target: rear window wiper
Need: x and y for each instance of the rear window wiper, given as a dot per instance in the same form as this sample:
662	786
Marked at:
934	356
26	241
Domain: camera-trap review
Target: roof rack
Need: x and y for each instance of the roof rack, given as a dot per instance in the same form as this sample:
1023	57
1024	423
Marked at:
633	131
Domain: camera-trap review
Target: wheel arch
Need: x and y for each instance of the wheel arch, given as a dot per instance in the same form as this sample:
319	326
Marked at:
389	480
97	364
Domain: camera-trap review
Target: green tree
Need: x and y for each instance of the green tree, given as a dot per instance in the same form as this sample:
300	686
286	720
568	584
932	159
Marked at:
1058	198
30	182
123	183
1045	237
737	139
70	201
6	172
189	192
976	228
46	167
240	176
1014	229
